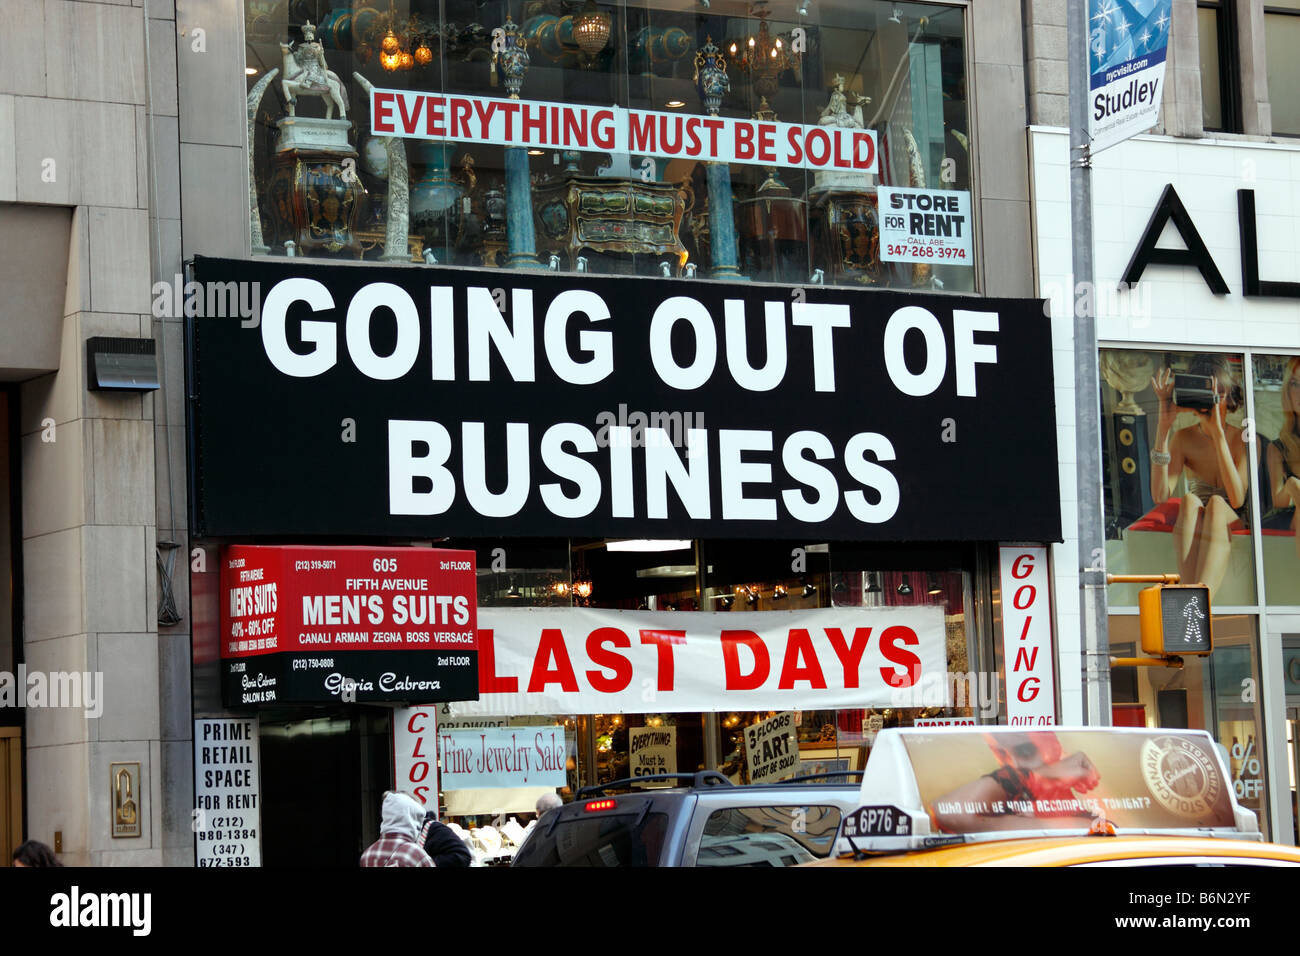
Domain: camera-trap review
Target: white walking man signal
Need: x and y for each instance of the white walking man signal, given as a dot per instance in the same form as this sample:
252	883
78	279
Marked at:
1194	615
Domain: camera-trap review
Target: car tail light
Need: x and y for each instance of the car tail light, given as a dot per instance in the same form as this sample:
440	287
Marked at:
595	806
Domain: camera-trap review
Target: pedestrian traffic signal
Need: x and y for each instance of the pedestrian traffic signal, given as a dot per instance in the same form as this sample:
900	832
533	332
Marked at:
1175	619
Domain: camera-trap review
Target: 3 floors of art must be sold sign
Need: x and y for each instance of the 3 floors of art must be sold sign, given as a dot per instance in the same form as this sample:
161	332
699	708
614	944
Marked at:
925	225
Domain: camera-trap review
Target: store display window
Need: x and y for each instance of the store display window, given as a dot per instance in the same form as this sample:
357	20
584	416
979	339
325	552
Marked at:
1218	693
850	163
736	577
1277	431
1178	471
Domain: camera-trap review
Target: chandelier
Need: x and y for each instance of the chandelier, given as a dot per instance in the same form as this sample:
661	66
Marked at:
764	57
591	29
404	46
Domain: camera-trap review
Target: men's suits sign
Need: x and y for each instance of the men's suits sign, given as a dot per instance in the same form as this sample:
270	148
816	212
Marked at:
592	661
347	624
434	402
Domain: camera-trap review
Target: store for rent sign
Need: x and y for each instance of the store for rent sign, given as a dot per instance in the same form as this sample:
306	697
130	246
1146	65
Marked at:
592	661
531	124
458	402
1027	636
303	624
925	225
227	812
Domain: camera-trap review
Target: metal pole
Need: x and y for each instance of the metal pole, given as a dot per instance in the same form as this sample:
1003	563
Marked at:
1087	395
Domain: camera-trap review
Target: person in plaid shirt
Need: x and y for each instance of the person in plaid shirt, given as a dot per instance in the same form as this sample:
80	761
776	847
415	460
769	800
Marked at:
397	844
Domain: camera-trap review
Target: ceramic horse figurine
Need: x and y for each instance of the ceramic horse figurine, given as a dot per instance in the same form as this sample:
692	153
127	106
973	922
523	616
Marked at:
305	72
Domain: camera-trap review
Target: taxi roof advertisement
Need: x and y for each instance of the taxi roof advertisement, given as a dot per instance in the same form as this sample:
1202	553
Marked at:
432	402
1062	779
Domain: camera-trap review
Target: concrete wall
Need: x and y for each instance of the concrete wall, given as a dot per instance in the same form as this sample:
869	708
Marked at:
86	101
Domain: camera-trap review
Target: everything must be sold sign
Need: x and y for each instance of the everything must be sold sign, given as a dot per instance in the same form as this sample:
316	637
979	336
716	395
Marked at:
1126	65
613	129
460	402
593	661
326	624
652	750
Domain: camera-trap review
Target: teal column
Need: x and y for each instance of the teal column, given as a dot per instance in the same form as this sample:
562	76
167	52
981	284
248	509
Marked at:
722	224
521	241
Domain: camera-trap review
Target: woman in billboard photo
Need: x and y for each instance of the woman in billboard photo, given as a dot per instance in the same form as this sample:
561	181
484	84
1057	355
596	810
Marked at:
1282	458
1213	455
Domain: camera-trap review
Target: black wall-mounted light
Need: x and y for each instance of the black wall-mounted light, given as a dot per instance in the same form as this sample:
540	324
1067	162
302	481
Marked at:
116	364
932	583
904	587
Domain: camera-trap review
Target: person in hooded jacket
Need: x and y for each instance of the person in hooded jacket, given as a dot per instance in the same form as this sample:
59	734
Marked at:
398	843
442	844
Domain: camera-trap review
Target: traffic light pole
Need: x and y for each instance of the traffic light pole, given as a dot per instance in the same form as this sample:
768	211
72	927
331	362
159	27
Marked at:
1087	429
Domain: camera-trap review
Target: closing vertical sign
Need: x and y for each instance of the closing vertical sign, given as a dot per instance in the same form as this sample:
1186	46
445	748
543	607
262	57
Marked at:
1027	637
414	748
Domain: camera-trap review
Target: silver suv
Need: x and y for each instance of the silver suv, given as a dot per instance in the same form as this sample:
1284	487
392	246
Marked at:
711	822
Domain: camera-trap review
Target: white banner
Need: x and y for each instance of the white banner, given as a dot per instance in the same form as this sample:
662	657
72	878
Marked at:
593	661
613	129
652	750
1027	637
227	793
925	225
772	749
502	757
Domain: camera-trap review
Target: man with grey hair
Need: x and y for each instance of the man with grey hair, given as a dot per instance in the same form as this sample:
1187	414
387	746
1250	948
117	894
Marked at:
548	801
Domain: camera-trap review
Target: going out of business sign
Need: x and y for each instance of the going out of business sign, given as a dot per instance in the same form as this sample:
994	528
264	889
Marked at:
1126	66
432	402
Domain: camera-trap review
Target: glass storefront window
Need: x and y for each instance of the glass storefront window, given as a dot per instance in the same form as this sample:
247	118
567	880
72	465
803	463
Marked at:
328	188
736	577
1277	417
1218	693
1177	471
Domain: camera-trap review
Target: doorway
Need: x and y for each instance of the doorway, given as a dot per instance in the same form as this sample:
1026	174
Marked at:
11	791
324	774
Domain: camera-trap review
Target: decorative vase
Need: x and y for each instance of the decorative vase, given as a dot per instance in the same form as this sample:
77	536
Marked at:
711	76
512	61
436	197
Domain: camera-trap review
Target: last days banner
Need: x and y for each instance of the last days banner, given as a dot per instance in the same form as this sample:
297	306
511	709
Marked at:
406	401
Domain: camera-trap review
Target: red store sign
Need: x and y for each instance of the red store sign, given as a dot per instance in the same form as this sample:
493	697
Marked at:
320	624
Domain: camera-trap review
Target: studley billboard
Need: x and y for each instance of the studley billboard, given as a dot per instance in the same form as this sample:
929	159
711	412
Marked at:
445	402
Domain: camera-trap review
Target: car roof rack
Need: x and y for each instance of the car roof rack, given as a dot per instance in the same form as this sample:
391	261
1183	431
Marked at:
846	774
701	779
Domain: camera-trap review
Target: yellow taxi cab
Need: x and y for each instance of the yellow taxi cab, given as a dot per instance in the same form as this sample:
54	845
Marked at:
1010	796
